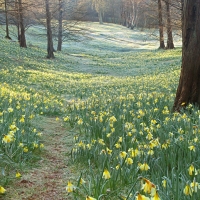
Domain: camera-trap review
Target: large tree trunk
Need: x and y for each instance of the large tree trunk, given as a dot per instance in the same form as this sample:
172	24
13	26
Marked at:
162	43
21	24
7	23
188	90
59	47
50	49
170	43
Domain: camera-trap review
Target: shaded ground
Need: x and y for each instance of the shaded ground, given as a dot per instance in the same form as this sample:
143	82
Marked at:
48	181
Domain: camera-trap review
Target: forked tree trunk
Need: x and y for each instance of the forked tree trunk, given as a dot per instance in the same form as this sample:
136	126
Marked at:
134	14
188	90
160	20
59	47
50	49
21	25
170	43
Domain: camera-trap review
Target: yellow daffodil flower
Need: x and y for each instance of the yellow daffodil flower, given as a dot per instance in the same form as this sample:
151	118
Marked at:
90	198
148	187
129	161
156	196
2	190
141	197
18	175
187	190
106	174
144	167
70	187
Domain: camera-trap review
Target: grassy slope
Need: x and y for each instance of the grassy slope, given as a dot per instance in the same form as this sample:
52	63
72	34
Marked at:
102	60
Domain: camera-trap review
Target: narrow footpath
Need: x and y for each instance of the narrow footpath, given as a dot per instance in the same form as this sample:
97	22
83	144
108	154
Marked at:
47	180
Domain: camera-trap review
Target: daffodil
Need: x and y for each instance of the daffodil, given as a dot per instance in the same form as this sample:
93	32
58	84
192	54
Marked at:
7	138
148	187
192	148
144	167
2	190
18	175
156	196
25	149
141	197
164	183
192	170
90	198
106	174
70	187
129	161
187	190
122	154
194	186
82	181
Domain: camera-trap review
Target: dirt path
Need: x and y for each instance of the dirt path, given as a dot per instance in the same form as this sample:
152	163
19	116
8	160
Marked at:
49	179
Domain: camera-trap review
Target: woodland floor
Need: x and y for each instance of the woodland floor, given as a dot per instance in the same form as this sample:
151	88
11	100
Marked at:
47	180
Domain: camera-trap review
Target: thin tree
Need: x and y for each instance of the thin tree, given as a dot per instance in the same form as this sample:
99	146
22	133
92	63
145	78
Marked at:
99	6
22	37
188	90
50	49
7	22
160	21
170	43
60	19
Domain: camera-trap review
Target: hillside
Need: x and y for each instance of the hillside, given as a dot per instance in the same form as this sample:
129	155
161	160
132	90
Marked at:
104	98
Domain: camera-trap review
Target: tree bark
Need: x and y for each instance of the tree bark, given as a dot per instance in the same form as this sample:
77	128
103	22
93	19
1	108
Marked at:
50	49
7	23
188	90
100	17
162	43
22	38
59	47
170	43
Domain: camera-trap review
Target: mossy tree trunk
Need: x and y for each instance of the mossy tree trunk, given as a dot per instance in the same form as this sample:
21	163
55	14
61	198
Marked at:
188	90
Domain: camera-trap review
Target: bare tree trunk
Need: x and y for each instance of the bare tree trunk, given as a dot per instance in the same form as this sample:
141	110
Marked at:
7	23
100	17
188	90
162	43
170	43
59	47
21	24
17	17
134	14
50	49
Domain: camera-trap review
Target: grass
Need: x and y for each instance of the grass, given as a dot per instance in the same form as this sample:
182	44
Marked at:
116	92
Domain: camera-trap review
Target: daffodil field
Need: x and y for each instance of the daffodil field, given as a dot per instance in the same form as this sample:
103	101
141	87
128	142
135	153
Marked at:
117	106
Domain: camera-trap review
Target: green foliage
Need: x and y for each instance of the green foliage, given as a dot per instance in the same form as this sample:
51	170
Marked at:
117	101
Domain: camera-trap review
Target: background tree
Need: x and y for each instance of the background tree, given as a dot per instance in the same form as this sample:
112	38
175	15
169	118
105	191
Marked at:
60	25
7	21
161	31
100	6
22	37
188	90
170	43
50	48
